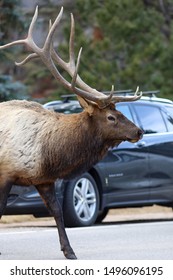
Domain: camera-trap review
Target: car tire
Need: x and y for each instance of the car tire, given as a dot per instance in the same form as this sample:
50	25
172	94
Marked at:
81	202
102	215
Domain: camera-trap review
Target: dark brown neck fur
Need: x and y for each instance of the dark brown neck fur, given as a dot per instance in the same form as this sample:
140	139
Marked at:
64	158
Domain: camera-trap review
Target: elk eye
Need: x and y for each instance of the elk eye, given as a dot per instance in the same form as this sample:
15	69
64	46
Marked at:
111	118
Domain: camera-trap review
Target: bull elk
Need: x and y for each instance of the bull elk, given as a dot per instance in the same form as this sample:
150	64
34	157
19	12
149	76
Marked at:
38	146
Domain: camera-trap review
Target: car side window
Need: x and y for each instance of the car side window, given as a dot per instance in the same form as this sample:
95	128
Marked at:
124	109
168	115
150	118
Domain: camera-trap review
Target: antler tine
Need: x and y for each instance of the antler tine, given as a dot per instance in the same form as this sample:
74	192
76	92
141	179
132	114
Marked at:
135	97
28	58
18	42
52	28
137	90
32	24
71	43
28	40
73	82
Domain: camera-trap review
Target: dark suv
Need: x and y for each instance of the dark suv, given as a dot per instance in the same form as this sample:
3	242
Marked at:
130	175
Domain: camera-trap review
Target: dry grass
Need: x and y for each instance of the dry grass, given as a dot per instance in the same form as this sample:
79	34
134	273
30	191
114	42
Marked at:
16	219
143	213
24	220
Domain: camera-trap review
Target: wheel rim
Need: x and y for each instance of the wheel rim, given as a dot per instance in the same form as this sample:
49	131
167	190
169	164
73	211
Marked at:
84	199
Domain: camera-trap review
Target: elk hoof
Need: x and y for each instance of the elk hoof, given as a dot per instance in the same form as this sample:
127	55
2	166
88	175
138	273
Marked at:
71	256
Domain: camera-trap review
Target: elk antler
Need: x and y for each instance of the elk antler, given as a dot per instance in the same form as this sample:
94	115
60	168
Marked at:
48	56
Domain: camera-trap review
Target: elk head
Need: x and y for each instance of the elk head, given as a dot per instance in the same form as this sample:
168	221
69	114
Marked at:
95	103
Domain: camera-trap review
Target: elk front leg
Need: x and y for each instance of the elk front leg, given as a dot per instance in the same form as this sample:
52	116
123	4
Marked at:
47	193
4	191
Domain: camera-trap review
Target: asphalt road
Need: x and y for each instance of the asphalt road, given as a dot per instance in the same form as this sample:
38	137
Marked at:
118	241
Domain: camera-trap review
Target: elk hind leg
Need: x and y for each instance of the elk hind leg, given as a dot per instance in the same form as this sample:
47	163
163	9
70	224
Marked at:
47	193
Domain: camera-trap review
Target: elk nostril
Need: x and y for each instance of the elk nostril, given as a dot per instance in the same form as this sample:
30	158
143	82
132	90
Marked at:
140	133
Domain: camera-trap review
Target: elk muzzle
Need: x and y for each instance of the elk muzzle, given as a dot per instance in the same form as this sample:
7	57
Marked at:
136	137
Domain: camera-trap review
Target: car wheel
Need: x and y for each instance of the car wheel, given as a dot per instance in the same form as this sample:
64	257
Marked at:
81	202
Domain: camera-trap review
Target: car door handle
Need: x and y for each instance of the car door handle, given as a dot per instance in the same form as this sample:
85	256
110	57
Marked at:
140	144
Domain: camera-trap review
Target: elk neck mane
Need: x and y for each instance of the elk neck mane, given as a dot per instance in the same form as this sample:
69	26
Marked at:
73	146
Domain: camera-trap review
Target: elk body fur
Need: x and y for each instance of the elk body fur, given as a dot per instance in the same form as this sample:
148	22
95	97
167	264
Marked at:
37	146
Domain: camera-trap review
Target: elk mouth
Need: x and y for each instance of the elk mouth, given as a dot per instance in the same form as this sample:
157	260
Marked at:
129	140
132	140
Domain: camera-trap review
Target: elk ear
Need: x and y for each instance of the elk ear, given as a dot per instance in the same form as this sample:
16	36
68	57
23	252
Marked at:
86	105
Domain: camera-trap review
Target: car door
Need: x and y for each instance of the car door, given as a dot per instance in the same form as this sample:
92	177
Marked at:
127	169
157	125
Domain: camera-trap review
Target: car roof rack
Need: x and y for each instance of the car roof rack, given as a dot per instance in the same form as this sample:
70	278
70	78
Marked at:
66	97
151	93
121	91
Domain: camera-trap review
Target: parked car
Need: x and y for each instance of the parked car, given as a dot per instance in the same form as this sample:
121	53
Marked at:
130	175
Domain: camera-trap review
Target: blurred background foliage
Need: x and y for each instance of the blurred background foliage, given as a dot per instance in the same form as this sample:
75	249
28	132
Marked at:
125	43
